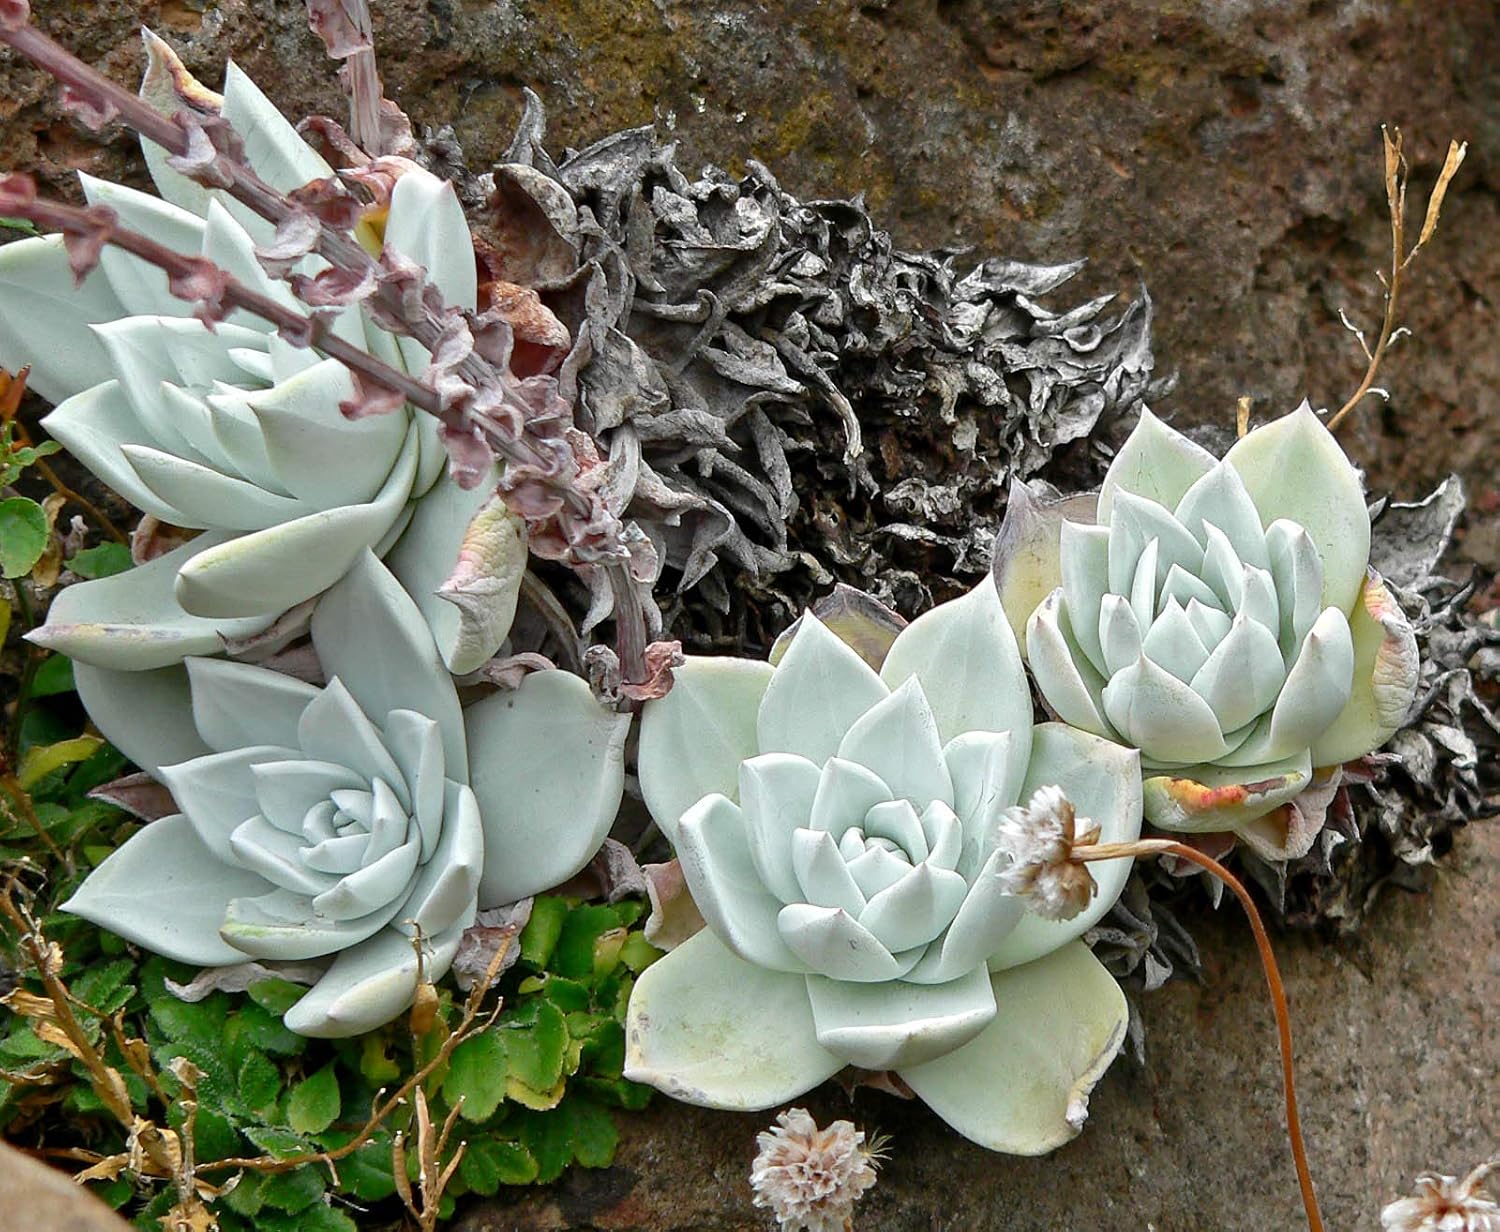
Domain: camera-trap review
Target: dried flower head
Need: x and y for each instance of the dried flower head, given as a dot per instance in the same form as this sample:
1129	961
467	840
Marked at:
1444	1204
810	1177
1040	836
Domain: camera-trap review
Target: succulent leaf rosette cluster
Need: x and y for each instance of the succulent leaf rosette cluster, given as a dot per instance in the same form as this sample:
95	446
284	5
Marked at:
1218	615
236	433
839	818
357	822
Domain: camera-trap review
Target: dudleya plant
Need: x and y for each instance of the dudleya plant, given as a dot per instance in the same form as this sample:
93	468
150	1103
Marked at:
233	431
338	822
840	819
1220	616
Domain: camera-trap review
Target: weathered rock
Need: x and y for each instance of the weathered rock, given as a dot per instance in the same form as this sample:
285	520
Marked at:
1398	1044
41	1199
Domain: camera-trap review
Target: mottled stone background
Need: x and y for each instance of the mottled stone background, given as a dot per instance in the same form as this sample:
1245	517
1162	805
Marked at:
1226	152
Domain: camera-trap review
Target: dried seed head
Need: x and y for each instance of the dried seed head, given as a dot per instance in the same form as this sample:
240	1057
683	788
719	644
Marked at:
1444	1204
810	1177
1040	836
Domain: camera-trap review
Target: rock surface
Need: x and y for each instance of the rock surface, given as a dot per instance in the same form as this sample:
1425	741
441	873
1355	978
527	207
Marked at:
1398	1044
40	1199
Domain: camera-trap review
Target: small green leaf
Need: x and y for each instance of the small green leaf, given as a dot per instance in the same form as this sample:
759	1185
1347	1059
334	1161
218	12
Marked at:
592	1132
276	996
318	1218
252	1026
545	1135
375	1063
489	1163
40	761
367	1172
293	1191
535	1053
54	676
103	560
476	1074
259	1084
543	929
574	955
637	953
314	1102
23	536
282	1143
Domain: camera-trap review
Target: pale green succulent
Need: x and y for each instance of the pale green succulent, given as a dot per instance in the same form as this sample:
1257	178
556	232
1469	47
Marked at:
1220	616
840	823
237	433
337	822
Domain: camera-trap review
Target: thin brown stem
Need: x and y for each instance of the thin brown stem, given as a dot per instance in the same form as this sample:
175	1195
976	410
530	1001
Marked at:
1143	847
21	799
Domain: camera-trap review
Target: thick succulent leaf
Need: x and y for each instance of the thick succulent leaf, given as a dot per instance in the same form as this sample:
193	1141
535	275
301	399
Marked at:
444	895
147	715
1298	575
239	704
44	319
282	925
886	1026
93	426
273	149
140	286
817	692
916	909
846	792
203	497
277	568
217	792
1156	462
777	791
823	874
833	943
287	791
987	769
547	764
708	1028
190	893
726	886
163	85
1103	781
988	915
964	655
1220	499
1243	676
1172	642
1161	716
1085	574
319	456
333	728
693	739
1207	799
1028	552
1134	525
1120	637
1386	669
898	739
131	621
1317	688
1071	687
426	224
1022	1084
370	635
1293	468
369	985
462	558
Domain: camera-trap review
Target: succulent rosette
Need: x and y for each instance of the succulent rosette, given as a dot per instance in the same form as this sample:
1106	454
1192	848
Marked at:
234	432
838	821
1218	615
353	822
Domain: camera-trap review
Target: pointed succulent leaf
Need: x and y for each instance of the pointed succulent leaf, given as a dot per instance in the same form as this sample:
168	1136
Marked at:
1293	468
190	892
1022	1084
964	655
1161	716
1102	781
1068	682
887	1026
1386	671
709	1028
817	692
693	739
147	715
898	738
1028	547
547	763
368	985
1156	462
1208	799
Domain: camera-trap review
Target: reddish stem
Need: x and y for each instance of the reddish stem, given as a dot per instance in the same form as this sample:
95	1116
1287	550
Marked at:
1154	846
